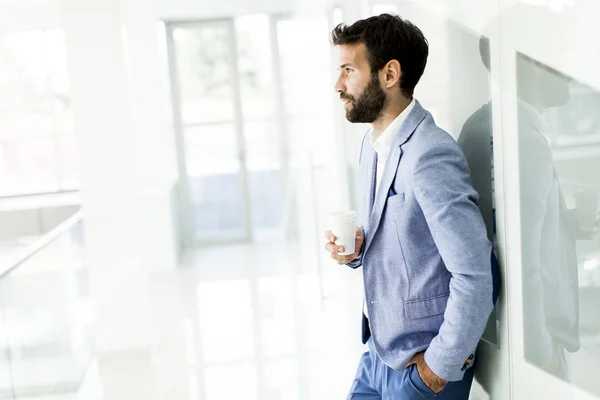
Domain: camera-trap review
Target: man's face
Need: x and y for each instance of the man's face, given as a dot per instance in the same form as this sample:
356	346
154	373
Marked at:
361	92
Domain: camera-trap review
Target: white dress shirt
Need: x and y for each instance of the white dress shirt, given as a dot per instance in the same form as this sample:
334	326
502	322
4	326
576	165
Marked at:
382	146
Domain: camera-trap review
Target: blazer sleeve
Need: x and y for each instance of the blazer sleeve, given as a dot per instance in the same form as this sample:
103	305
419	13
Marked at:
443	189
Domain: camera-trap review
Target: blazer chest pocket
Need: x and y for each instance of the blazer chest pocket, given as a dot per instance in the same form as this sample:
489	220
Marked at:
395	203
423	308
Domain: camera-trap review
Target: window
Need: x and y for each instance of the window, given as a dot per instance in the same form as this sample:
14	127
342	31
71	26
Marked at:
38	148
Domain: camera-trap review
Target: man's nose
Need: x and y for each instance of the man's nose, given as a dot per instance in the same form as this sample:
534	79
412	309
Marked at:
339	86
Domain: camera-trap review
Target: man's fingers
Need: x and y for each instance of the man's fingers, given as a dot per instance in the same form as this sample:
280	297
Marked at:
330	237
411	362
345	259
341	260
414	359
332	248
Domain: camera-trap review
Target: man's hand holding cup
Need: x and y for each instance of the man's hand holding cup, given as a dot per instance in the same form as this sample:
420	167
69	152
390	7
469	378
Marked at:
345	239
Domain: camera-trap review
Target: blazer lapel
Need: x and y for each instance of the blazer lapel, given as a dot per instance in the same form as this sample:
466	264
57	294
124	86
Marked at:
391	167
371	171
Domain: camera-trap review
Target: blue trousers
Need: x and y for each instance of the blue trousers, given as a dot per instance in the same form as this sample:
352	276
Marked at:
376	381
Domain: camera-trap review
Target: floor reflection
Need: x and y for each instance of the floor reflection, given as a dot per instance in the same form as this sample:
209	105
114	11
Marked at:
231	323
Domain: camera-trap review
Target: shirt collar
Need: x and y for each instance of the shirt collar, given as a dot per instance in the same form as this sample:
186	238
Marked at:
383	143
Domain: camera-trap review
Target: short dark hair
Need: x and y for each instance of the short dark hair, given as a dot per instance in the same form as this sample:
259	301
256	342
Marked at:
388	37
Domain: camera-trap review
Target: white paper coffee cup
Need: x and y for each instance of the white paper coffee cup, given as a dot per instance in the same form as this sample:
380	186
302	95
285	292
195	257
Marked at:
343	226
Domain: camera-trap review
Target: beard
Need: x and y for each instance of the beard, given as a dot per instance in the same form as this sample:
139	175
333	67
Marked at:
369	105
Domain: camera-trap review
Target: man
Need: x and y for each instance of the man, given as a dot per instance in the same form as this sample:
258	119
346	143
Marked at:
423	247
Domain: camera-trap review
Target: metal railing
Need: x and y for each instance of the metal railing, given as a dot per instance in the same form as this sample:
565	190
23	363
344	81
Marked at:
42	243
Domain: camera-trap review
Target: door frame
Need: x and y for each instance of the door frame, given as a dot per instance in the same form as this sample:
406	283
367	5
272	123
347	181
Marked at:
185	206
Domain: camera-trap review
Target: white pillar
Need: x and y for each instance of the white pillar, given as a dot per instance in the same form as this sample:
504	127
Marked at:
125	175
153	142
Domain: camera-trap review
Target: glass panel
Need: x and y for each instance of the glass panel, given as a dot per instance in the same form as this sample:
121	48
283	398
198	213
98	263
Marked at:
27	166
215	188
48	320
560	203
204	71
471	53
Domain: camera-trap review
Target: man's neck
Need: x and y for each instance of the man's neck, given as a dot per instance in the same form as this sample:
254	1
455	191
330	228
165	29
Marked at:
388	115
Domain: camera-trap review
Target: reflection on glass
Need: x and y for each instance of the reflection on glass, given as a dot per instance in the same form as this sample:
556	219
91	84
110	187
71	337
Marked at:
476	141
560	190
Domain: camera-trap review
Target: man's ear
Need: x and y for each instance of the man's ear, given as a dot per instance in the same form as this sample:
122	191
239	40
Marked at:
392	73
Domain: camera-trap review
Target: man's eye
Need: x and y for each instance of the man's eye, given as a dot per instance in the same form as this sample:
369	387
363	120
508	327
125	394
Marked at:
348	70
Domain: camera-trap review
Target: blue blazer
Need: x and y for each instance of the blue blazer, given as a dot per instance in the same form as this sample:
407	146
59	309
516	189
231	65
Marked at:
426	256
